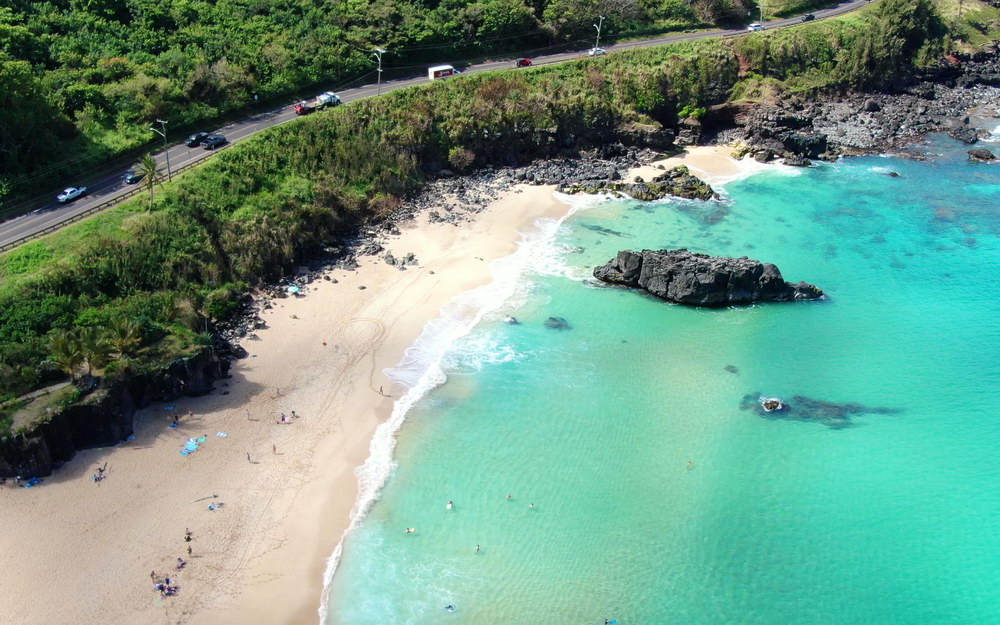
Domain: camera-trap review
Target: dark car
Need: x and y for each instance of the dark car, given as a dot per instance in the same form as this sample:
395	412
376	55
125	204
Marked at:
213	141
808	17
131	176
522	63
195	140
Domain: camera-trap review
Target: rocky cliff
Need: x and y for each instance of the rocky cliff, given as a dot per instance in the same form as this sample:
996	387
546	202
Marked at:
692	279
105	416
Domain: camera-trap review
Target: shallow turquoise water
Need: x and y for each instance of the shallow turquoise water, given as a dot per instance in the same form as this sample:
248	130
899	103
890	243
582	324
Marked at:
894	519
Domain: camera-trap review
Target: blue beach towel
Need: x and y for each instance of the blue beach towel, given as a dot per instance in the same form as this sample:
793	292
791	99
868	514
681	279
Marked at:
222	434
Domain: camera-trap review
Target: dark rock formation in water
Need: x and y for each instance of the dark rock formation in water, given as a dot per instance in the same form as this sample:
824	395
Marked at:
801	408
105	416
981	155
557	323
676	182
694	279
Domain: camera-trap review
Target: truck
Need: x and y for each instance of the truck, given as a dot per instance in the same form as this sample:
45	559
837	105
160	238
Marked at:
323	100
441	71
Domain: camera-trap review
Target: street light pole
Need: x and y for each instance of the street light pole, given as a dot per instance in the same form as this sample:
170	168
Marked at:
378	55
761	12
166	148
597	44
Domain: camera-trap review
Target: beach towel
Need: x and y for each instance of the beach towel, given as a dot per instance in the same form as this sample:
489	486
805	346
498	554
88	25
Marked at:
172	425
202	439
222	434
185	452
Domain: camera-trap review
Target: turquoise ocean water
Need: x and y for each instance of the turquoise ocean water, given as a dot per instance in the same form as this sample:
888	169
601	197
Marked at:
892	519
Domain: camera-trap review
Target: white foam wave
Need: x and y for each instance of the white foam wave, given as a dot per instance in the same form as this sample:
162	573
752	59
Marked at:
423	365
745	168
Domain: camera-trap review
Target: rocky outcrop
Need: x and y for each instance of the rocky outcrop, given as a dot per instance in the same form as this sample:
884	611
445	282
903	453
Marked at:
676	182
692	279
981	155
105	416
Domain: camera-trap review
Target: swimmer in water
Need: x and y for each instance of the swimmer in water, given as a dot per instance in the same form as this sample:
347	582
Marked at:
411	530
531	505
690	465
508	496
448	507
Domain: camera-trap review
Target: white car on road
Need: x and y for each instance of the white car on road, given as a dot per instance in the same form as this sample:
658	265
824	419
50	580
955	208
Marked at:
596	51
70	193
755	27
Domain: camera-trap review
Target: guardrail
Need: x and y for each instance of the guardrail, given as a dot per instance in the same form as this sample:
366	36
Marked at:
118	199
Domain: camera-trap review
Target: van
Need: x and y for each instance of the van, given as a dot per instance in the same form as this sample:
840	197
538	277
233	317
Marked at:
441	71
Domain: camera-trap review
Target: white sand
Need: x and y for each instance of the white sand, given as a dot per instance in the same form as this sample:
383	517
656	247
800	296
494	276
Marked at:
72	551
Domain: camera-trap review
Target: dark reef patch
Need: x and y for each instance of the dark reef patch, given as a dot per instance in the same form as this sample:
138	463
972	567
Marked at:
802	408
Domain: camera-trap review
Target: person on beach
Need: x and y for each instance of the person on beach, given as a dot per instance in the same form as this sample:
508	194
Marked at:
181	563
274	449
189	551
248	458
152	575
294	416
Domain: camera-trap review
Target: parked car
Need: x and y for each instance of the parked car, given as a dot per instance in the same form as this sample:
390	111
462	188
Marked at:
808	17
522	63
213	141
131	176
195	140
597	51
755	27
70	193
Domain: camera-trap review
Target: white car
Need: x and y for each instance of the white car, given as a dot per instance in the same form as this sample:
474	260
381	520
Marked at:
755	27
597	51
70	193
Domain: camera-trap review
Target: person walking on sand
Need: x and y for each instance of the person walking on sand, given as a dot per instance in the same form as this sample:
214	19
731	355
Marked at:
274	449
248	458
152	575
189	551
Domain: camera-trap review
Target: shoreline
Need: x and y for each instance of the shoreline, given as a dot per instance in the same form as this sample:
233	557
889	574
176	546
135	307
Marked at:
288	493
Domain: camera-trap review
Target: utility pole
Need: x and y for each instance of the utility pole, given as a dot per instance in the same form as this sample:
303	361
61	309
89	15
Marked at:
378	55
597	44
166	148
761	12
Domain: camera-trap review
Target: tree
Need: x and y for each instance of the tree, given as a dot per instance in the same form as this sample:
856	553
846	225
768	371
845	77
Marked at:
94	349
122	336
151	174
66	351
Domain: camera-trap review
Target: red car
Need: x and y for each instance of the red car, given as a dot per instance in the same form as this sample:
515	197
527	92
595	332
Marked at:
522	63
304	108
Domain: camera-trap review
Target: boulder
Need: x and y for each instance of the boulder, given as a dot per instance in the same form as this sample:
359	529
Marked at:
693	279
981	155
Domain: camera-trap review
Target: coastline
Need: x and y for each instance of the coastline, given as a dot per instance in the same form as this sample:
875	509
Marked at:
263	556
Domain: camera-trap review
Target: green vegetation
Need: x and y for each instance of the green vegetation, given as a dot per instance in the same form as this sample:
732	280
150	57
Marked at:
136	286
80	81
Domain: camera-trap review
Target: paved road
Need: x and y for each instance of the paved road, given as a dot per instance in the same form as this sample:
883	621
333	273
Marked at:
179	155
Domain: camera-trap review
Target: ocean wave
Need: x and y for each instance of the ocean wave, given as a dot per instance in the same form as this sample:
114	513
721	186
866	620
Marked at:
745	168
424	363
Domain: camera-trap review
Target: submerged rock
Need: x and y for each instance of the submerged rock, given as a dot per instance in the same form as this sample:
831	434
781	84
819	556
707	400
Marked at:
557	323
692	279
801	408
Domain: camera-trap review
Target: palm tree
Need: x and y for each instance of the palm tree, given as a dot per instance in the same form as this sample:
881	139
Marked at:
150	172
122	336
66	351
95	350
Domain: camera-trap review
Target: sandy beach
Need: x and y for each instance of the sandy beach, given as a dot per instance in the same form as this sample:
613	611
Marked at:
75	551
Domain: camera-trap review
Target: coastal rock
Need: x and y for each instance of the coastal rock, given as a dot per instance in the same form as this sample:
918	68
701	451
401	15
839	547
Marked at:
676	182
981	155
965	134
693	279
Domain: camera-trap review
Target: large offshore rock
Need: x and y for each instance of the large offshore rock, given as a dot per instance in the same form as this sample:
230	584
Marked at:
692	279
